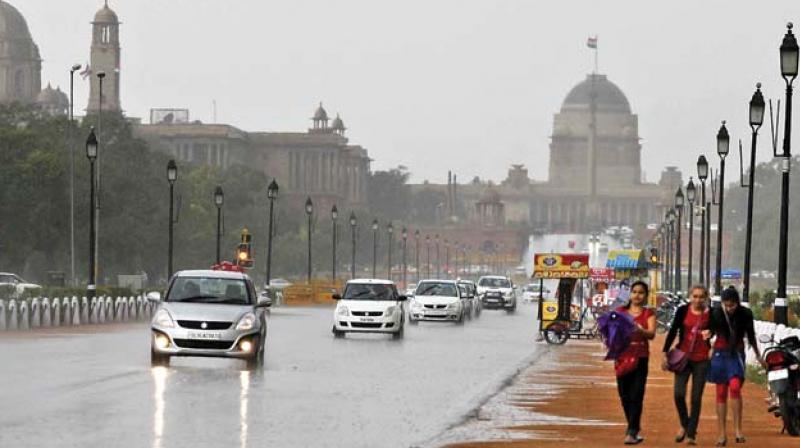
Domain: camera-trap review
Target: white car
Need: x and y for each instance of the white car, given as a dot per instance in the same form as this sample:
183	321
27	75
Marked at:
530	292
16	284
497	292
411	289
369	306
437	300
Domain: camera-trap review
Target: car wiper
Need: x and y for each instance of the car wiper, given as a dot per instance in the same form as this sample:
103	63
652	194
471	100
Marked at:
200	298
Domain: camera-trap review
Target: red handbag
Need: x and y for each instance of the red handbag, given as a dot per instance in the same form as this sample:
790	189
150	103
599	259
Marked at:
625	364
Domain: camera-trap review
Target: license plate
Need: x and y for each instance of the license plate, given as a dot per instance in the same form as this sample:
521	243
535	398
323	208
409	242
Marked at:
776	375
436	313
367	319
204	335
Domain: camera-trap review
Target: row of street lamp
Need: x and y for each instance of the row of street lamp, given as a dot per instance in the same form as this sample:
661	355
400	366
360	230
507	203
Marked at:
669	234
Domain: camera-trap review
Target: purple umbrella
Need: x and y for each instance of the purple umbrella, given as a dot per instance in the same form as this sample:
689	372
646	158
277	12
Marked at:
616	329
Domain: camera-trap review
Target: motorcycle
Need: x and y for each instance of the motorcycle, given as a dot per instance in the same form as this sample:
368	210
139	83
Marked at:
665	313
783	375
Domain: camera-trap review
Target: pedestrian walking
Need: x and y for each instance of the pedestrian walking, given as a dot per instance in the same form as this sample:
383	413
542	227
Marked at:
730	323
689	359
632	365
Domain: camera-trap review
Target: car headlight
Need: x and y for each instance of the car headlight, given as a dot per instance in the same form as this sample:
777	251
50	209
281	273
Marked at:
163	319
453	305
247	322
343	311
390	310
416	305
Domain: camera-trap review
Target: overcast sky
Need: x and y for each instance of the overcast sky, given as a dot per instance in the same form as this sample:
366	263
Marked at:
465	85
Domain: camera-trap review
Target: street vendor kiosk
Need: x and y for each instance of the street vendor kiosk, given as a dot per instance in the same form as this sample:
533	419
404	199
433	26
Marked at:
562	317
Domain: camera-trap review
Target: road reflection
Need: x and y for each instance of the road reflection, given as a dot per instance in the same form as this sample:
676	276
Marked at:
244	382
160	384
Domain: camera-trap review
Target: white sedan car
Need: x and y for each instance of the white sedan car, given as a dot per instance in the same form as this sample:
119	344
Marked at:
437	300
369	306
16	284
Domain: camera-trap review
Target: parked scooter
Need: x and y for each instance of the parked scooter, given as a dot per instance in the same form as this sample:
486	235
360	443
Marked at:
783	374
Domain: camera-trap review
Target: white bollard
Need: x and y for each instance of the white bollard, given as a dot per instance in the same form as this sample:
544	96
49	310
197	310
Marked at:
76	311
100	311
56	312
46	310
109	308
132	316
12	315
2	314
84	310
139	307
24	315
93	310
36	313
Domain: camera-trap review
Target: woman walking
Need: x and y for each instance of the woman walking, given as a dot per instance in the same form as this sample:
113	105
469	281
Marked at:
731	322
689	323
632	364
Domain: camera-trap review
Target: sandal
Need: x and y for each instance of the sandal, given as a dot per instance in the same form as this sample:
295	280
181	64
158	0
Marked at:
680	437
722	442
740	439
691	441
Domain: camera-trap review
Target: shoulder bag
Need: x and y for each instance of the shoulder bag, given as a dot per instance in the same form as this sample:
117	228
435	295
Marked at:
677	359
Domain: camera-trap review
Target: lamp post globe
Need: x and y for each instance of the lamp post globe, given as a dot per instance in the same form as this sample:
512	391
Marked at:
679	199
91	145
757	108
789	54
309	206
172	171
723	141
272	190
219	196
702	168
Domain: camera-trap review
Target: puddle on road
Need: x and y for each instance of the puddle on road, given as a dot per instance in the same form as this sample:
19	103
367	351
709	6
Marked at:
511	413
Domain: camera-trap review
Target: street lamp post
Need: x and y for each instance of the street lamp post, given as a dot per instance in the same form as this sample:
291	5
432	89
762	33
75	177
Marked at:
219	199
374	247
691	195
172	176
70	136
272	195
334	217
416	255
702	174
428	256
789	56
438	258
91	154
756	120
98	176
679	203
390	236
670	249
446	258
404	234
723	146
309	213
353	244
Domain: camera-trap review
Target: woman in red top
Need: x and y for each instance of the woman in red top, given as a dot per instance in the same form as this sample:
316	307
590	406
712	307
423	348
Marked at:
689	323
631	385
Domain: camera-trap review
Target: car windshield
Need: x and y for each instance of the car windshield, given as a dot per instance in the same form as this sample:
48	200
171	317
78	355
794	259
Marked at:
436	289
7	278
531	288
495	282
209	290
369	291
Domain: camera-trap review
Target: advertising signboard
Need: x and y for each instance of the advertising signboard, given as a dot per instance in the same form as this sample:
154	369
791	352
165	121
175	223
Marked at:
560	266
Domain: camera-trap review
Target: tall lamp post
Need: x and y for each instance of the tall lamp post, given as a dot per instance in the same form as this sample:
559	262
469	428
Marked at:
91	154
691	195
353	244
390	236
72	71
679	203
789	56
374	247
404	235
723	146
670	248
219	199
702	174
428	256
756	120
172	176
438	258
416	255
334	217
309	213
446	258
272	195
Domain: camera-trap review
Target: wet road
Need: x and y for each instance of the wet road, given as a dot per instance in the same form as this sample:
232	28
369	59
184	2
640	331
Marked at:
81	390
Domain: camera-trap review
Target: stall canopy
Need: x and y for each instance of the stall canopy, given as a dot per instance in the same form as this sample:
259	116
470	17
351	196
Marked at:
561	266
626	259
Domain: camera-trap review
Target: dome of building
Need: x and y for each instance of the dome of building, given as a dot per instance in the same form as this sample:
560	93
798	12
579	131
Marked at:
337	124
15	36
54	101
609	97
106	15
320	114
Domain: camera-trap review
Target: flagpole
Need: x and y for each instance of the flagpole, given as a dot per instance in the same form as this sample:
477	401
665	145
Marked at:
596	70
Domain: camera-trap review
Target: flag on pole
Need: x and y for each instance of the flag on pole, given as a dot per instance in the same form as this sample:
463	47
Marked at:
592	42
86	72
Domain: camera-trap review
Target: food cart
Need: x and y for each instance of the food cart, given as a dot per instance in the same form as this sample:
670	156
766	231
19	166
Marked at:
564	316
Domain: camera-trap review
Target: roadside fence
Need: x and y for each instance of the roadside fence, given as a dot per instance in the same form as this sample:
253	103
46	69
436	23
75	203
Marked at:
44	312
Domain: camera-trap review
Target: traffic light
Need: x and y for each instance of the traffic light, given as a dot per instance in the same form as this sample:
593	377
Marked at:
653	255
244	256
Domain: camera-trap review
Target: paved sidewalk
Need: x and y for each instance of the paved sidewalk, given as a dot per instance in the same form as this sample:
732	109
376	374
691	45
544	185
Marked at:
570	398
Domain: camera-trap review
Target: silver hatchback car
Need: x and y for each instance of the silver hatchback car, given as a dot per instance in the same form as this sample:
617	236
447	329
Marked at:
209	313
